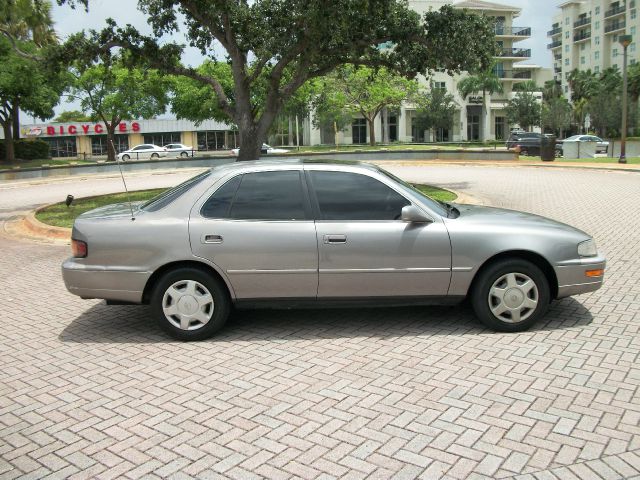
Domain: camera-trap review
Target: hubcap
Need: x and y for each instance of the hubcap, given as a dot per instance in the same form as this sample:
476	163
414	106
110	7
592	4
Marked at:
188	305
513	297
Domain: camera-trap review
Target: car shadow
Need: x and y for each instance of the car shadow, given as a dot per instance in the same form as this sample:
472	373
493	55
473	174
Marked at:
134	324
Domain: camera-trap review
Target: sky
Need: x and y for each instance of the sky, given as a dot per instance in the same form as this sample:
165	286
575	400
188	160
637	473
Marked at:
536	14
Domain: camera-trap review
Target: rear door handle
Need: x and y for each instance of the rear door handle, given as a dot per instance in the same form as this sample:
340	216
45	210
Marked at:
334	239
210	238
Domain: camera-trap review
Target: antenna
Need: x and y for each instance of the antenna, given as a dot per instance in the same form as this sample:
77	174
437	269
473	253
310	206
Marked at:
123	182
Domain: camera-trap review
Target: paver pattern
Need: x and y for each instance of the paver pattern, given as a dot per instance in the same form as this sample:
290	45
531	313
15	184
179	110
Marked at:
90	391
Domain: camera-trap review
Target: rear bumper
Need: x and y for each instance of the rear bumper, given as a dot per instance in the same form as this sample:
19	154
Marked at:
118	285
572	278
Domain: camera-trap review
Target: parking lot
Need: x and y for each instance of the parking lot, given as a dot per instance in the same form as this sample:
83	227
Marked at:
95	391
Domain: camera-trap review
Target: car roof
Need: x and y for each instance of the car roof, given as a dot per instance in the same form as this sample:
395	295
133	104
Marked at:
288	163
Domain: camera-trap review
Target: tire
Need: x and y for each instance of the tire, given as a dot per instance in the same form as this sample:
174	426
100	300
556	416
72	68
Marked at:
125	158
184	291
154	155
524	152
184	154
529	302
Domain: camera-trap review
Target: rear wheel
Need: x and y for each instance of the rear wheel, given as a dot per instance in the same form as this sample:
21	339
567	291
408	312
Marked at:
184	154
524	152
125	158
510	295
190	304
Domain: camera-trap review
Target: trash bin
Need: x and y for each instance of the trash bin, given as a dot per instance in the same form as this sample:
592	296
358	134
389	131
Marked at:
548	148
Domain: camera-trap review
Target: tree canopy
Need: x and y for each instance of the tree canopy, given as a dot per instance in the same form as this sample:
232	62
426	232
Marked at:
436	109
276	46
524	107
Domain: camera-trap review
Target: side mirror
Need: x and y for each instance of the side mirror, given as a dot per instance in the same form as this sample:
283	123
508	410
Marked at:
413	214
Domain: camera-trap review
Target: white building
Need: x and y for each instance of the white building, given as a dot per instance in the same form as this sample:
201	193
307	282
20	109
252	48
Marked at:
470	123
584	36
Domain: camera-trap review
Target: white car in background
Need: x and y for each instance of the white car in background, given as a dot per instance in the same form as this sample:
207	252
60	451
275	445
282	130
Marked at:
602	146
179	149
146	151
265	150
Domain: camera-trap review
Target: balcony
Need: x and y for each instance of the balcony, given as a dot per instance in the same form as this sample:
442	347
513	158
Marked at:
501	30
557	56
515	52
557	69
555	31
584	35
614	26
512	74
556	44
524	74
582	22
619	10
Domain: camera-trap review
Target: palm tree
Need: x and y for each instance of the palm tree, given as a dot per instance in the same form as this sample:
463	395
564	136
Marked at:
485	82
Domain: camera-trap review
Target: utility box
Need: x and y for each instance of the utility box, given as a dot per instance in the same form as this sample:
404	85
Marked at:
579	149
548	148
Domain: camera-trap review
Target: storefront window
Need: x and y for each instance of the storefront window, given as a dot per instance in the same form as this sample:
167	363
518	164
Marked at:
99	144
211	140
162	139
62	146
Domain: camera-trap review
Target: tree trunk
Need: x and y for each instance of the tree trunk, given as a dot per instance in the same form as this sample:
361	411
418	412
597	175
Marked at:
15	113
9	153
372	131
250	144
111	149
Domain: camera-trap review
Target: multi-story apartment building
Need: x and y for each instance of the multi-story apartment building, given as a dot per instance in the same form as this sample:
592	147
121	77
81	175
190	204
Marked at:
584	36
471	122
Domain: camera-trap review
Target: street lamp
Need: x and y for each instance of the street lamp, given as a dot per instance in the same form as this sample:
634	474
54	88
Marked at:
625	41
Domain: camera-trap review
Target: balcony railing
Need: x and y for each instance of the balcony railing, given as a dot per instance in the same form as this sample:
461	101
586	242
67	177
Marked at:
557	69
556	44
581	36
612	27
557	56
512	74
515	52
555	31
581	22
614	11
513	31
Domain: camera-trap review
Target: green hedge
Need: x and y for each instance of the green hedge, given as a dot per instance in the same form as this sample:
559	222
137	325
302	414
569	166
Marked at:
27	149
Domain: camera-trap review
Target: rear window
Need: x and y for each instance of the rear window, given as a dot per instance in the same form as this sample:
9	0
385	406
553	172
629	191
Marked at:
170	195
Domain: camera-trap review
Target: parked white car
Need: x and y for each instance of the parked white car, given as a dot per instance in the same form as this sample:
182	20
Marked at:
179	149
145	151
602	146
265	150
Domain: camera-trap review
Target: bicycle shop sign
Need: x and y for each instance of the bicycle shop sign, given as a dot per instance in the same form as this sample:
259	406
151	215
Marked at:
79	129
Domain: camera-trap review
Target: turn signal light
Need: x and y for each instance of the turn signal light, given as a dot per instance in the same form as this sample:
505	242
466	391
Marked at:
78	248
594	273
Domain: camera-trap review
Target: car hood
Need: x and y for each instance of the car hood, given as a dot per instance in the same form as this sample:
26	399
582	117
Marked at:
510	219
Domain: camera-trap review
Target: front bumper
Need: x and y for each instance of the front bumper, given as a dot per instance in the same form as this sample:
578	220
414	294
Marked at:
109	284
572	278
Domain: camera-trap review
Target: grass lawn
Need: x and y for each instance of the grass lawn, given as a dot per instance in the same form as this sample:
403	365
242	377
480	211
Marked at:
59	215
39	163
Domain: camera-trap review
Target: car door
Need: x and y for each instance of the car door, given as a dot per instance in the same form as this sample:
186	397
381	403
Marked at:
258	228
365	249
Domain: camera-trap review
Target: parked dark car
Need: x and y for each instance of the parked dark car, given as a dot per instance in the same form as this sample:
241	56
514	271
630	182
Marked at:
528	142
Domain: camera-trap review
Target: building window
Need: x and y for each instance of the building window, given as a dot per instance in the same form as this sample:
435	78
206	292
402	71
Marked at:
441	85
582	61
632	47
597	26
566	34
633	60
597	10
211	140
582	47
615	37
566	89
596	69
615	53
99	144
162	139
62	146
633	14
633	30
597	40
359	130
596	55
566	21
566	48
566	61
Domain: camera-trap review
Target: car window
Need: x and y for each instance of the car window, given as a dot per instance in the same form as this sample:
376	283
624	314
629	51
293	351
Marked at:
269	196
218	204
170	195
351	196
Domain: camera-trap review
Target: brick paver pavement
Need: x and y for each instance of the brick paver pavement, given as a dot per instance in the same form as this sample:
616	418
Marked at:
90	391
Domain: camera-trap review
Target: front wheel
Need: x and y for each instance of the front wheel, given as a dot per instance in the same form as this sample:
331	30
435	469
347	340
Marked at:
189	304
524	152
125	158
510	295
154	155
184	154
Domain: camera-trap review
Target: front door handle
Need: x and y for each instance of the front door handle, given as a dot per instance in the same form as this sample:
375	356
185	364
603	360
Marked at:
334	239
210	238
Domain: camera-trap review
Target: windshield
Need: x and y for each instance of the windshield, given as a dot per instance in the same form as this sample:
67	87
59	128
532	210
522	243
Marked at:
165	198
407	187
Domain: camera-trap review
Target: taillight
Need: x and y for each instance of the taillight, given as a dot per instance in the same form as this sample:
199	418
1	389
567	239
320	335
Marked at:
78	248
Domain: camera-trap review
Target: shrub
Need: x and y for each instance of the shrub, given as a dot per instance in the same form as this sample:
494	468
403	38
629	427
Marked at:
28	149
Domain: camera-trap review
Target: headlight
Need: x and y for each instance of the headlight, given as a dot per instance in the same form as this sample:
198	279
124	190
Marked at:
587	248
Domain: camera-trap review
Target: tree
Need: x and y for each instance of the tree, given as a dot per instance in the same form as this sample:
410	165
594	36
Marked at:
524	108
366	91
556	114
23	80
276	46
112	93
583	84
72	116
484	82
436	109
328	106
26	21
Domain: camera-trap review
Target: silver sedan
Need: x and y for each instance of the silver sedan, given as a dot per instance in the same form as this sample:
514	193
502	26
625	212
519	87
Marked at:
294	233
